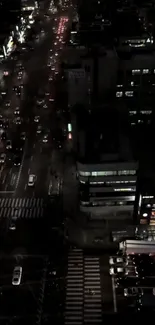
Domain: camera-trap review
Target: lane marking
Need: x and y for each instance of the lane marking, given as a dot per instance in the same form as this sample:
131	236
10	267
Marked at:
29	171
31	158
4	179
21	166
6	192
114	295
25	187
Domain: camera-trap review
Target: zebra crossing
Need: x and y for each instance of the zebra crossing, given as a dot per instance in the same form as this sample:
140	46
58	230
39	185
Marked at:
92	291
83	304
21	207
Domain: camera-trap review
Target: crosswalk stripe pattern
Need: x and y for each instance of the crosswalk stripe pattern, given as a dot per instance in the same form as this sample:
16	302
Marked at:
74	290
83	290
92	291
21	207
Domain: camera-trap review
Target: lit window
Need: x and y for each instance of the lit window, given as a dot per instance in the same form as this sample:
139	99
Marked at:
124	189
132	112
84	173
136	71
145	71
146	112
129	93
119	94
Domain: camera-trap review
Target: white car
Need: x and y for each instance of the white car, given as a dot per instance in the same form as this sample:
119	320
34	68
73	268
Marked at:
8	144
31	180
2	158
17	121
17	111
115	260
12	226
17	275
39	129
116	271
36	119
45	138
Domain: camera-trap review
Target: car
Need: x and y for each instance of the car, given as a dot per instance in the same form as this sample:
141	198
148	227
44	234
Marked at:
17	111
40	101
133	291
45	138
17	161
3	136
1	122
36	119
18	93
31	180
23	136
2	158
116	260
12	226
8	144
39	129
14	88
8	103
116	271
17	120
17	275
5	124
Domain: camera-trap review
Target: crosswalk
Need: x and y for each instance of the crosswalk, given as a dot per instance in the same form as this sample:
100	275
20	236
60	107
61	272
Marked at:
83	290
21	207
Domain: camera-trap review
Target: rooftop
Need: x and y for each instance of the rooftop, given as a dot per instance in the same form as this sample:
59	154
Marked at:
106	134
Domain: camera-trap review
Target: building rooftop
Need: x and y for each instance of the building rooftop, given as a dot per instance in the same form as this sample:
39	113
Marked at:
107	136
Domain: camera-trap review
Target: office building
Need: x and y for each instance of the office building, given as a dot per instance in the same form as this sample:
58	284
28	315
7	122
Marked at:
106	165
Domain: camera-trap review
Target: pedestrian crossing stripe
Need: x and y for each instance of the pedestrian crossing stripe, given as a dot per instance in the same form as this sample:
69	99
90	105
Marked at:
21	208
83	275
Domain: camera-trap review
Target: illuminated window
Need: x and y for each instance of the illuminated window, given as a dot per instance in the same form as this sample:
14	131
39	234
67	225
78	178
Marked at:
124	189
84	173
127	172
119	94
146	112
136	71
132	112
145	71
129	93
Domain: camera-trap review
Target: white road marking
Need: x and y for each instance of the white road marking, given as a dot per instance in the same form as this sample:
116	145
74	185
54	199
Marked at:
29	171
7	192
10	171
21	166
31	158
114	294
34	146
13	179
4	179
25	187
5	188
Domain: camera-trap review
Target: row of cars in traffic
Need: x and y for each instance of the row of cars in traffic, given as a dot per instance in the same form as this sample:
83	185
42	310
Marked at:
135	275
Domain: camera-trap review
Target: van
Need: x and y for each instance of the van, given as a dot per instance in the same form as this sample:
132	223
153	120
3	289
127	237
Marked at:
17	275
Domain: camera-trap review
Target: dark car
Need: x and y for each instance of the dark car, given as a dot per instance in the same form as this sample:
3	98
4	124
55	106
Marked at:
3	136
18	146
17	160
